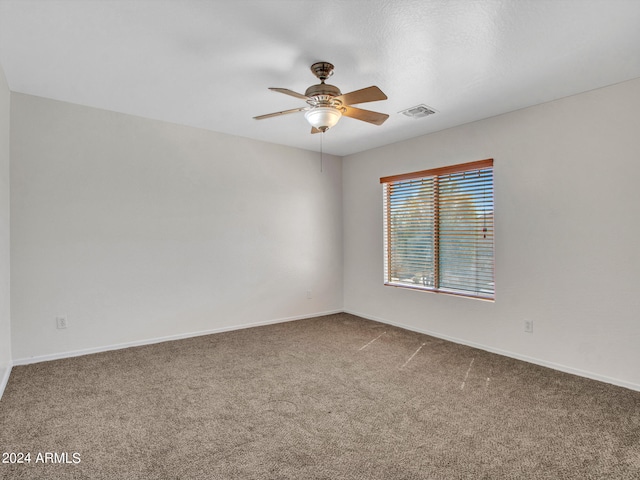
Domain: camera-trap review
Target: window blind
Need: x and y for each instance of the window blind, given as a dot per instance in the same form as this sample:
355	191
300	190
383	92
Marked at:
439	229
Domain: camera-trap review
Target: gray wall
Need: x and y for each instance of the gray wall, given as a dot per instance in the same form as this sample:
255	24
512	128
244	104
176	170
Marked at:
567	226
5	312
138	230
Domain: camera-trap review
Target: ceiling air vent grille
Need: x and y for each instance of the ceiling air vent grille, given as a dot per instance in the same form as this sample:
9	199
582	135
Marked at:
418	111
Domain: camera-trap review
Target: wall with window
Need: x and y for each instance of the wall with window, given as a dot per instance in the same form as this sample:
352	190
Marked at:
567	223
136	230
5	314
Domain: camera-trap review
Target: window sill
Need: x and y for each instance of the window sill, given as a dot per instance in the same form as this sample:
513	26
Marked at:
485	298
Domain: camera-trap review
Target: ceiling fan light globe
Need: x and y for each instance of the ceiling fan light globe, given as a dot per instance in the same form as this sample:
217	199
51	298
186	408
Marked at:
323	118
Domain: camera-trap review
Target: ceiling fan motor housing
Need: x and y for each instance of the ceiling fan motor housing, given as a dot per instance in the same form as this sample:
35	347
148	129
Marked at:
321	90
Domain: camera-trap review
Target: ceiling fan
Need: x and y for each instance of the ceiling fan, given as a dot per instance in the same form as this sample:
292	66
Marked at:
326	104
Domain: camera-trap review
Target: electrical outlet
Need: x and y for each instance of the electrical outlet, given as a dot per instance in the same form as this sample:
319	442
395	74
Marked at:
528	326
61	322
309	294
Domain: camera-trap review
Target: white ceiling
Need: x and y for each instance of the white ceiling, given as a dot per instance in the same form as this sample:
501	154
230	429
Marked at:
208	64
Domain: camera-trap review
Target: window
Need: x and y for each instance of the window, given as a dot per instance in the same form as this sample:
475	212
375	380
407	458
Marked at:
438	228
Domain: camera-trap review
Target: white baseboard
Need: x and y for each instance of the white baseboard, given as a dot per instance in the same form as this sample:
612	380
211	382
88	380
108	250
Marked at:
150	341
4	378
517	356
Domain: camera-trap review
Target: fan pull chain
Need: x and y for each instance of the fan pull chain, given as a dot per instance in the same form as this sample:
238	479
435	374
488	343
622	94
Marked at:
321	139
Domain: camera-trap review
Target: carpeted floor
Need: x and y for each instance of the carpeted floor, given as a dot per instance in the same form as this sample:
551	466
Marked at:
335	397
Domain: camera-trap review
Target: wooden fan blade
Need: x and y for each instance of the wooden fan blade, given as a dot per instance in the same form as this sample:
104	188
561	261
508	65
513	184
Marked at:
369	94
365	115
286	91
315	130
284	112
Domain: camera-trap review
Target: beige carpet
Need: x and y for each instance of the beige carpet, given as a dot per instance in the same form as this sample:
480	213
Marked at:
335	397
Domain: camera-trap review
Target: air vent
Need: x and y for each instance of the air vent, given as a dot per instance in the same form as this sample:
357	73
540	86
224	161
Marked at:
418	111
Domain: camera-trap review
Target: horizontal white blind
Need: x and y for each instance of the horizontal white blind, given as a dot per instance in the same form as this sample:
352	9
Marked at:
439	232
412	232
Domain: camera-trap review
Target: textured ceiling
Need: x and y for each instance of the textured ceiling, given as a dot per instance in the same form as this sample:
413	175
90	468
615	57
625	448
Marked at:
208	63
